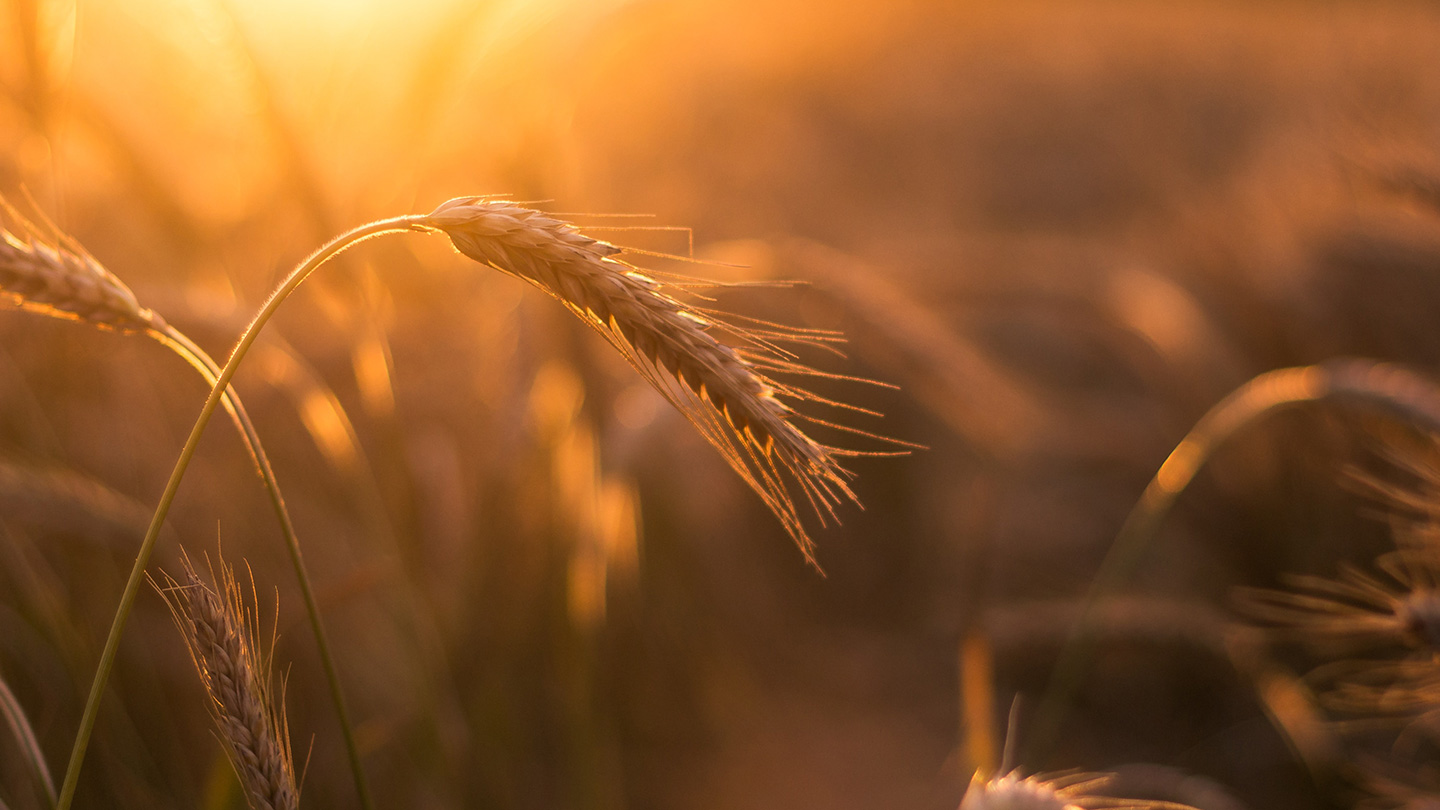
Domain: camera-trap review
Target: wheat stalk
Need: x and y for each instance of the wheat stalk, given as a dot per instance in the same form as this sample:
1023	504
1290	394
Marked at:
1384	387
220	635
219	391
728	393
51	274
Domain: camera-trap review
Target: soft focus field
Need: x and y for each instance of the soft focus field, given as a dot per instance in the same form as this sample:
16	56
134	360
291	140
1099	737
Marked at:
1063	230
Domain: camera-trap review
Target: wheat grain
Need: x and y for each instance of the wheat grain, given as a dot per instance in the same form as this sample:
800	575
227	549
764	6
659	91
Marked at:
221	640
62	280
1064	792
728	393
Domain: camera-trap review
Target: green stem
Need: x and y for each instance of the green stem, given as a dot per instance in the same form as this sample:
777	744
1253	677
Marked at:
147	546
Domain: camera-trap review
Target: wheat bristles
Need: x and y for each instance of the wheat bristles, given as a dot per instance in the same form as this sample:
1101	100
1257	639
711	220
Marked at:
221	639
1071	791
726	392
1401	607
64	281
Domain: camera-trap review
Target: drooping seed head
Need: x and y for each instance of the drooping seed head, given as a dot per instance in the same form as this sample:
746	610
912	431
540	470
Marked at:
66	282
725	391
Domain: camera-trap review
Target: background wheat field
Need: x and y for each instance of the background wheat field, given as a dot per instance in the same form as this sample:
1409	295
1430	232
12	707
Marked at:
1062	231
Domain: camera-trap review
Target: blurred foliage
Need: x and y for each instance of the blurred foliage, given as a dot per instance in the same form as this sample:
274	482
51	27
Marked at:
1063	229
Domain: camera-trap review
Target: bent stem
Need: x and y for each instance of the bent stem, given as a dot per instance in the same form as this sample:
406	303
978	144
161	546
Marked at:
137	573
1255	398
1382	386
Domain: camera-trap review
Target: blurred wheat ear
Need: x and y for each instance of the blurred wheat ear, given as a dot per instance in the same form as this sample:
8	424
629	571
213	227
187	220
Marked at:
730	394
62	280
1400	608
1069	791
220	632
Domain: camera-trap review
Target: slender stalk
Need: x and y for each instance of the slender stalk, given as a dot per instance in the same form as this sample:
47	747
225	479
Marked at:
1259	396
1378	386
147	546
19	724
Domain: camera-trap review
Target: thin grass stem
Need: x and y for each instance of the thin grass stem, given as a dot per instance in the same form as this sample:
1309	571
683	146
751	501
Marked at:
24	734
1259	396
1388	387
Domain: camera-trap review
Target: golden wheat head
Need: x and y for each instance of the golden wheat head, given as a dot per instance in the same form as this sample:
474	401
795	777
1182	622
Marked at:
57	277
221	637
727	392
1071	791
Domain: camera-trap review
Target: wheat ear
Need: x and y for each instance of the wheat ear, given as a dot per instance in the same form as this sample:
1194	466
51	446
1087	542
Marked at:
1070	791
220	634
54	279
730	394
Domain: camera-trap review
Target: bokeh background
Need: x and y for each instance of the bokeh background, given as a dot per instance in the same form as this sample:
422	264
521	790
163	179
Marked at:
1063	230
